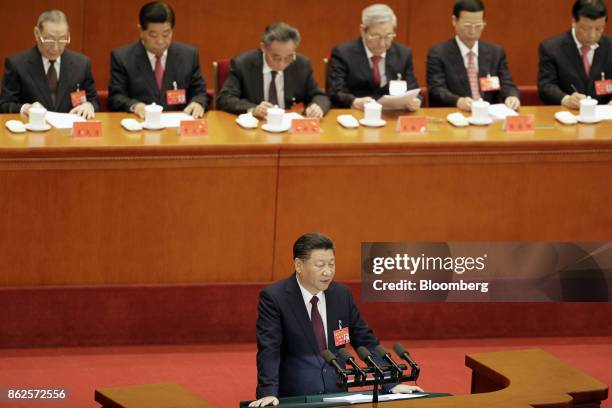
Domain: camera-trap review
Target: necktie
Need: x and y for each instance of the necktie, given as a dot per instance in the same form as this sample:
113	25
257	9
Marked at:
317	324
52	79
272	94
375	69
473	76
585	58
159	72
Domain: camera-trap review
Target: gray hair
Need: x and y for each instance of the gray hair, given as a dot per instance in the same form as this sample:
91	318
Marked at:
54	16
281	32
378	13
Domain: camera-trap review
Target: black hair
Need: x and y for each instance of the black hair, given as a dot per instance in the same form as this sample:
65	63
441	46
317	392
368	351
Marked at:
591	9
467	5
156	12
307	243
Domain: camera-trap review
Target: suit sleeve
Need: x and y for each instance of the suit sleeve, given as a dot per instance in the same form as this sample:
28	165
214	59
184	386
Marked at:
508	88
269	341
11	89
197	84
409	77
337	77
230	98
118	96
90	87
439	94
314	94
548	78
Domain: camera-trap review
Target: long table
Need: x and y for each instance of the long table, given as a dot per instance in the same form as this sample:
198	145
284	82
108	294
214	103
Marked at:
155	207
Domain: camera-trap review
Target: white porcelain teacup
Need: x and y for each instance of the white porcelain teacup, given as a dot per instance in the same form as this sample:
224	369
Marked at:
37	117
480	111
587	109
274	117
372	112
153	115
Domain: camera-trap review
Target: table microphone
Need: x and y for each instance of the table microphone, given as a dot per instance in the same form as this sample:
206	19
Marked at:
365	355
331	359
404	354
348	357
383	353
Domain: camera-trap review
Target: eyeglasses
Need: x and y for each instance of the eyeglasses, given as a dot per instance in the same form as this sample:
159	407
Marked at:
475	26
48	42
378	37
280	59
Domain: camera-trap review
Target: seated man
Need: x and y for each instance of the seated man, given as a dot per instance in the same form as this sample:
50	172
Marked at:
49	75
464	69
571	63
360	70
272	75
297	319
156	69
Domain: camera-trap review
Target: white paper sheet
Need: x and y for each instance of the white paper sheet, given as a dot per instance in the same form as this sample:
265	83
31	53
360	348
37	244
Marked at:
500	111
173	120
398	101
62	120
359	398
603	112
288	117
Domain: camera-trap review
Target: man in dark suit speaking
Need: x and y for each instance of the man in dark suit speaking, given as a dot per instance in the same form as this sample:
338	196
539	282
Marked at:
464	69
571	64
273	75
297	319
360	70
157	69
49	75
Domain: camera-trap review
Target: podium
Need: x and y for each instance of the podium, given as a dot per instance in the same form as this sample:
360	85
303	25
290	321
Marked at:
316	401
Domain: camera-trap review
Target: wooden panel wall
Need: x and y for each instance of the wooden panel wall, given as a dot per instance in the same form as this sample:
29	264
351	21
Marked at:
221	29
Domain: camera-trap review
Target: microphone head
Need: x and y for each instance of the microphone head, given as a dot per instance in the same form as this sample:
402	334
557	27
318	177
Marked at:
328	356
399	349
381	350
344	354
363	353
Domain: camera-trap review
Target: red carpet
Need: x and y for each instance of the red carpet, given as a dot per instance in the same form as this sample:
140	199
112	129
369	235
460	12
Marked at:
226	374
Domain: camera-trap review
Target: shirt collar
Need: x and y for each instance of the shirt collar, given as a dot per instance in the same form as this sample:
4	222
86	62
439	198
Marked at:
266	68
464	48
46	61
369	53
152	56
593	47
306	294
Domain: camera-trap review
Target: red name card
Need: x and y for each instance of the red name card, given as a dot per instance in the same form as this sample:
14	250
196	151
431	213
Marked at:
603	87
520	123
304	126
87	129
196	127
412	124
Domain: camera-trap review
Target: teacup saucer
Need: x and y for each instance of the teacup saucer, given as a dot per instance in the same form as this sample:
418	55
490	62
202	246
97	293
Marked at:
484	122
373	123
281	129
151	127
587	120
32	128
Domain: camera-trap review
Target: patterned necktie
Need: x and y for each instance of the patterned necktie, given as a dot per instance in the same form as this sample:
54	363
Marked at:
159	72
317	324
375	69
473	76
272	94
52	79
584	50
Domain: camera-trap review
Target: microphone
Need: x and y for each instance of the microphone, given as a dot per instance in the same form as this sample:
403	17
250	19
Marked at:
404	354
383	353
331	359
348	357
365	355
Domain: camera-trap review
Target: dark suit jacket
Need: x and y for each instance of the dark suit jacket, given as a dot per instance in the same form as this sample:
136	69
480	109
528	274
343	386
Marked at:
133	80
288	358
349	75
560	67
447	78
25	81
243	88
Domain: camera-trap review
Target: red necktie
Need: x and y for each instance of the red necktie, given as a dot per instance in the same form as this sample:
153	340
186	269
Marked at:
159	72
585	59
473	76
375	70
317	324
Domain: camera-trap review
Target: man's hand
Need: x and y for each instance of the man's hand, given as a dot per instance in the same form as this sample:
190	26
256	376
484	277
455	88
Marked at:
139	109
25	109
262	402
314	111
261	110
572	101
85	110
512	102
194	109
359	102
465	104
413	104
405	389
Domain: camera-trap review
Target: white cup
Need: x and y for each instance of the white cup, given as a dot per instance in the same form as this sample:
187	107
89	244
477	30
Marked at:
274	117
37	117
397	87
480	111
153	115
587	108
372	111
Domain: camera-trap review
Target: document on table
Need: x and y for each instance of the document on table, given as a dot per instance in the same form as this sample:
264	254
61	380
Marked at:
398	101
603	112
62	120
359	398
288	117
173	120
500	111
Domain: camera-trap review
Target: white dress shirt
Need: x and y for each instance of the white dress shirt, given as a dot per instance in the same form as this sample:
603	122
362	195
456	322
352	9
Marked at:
591	52
280	84
320	306
465	50
153	59
57	65
381	64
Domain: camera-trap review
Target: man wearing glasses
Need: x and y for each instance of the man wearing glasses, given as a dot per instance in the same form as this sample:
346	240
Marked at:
578	63
464	69
49	75
273	75
156	69
360	70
